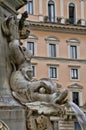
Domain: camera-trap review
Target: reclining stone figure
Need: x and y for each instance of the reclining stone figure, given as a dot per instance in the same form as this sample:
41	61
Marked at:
38	90
23	87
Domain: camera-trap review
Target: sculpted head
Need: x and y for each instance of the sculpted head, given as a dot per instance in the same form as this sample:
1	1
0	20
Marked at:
27	54
26	70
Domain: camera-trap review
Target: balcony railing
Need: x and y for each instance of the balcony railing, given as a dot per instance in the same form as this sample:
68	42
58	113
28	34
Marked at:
66	21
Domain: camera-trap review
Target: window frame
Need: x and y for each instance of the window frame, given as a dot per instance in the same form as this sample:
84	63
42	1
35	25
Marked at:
74	74
74	15
55	73
52	40
33	38
75	11
77	98
73	51
51	11
73	42
78	69
76	88
31	46
52	50
30	7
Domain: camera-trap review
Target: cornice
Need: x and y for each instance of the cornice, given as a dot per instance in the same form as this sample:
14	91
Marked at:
55	27
75	86
80	61
13	5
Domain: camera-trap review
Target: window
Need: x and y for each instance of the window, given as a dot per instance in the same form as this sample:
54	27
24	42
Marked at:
73	48
77	126
52	50
52	46
33	71
30	7
75	93
30	46
74	73
53	72
72	12
73	51
51	11
75	98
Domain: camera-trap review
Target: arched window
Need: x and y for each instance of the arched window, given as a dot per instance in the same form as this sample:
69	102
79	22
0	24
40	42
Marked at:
30	7
51	11
72	14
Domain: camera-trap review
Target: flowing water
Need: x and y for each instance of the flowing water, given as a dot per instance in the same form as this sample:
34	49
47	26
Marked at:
81	117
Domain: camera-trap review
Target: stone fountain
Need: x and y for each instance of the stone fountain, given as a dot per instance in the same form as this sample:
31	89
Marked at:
25	104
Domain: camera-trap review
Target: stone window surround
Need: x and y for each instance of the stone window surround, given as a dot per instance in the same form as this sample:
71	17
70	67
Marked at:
32	49
52	40
51	10
74	67
52	51
47	7
52	65
33	7
33	39
75	9
76	88
76	43
75	71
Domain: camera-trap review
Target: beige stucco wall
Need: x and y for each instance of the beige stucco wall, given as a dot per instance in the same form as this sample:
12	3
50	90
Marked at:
62	61
42	68
44	9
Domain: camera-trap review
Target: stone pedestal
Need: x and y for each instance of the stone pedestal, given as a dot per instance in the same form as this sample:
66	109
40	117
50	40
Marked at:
14	118
12	113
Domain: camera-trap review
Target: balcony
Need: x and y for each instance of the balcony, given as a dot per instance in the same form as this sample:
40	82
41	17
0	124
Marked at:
59	24
65	21
81	22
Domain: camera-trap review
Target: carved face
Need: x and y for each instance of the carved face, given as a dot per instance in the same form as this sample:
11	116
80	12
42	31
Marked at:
27	71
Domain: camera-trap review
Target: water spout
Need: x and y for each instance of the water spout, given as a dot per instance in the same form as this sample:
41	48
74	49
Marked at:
81	117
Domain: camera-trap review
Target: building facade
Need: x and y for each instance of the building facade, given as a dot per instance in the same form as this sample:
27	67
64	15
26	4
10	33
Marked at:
57	41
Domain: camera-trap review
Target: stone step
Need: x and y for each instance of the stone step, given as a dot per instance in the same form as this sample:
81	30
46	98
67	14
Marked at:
66	125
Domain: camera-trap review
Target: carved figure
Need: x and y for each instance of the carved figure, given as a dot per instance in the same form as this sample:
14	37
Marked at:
43	123
23	87
40	122
31	123
38	96
22	20
21	26
34	90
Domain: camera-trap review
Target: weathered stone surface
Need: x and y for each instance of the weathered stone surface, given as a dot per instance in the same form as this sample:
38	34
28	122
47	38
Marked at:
13	117
39	99
45	108
11	112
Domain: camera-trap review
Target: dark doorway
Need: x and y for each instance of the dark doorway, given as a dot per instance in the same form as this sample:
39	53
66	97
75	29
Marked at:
72	13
